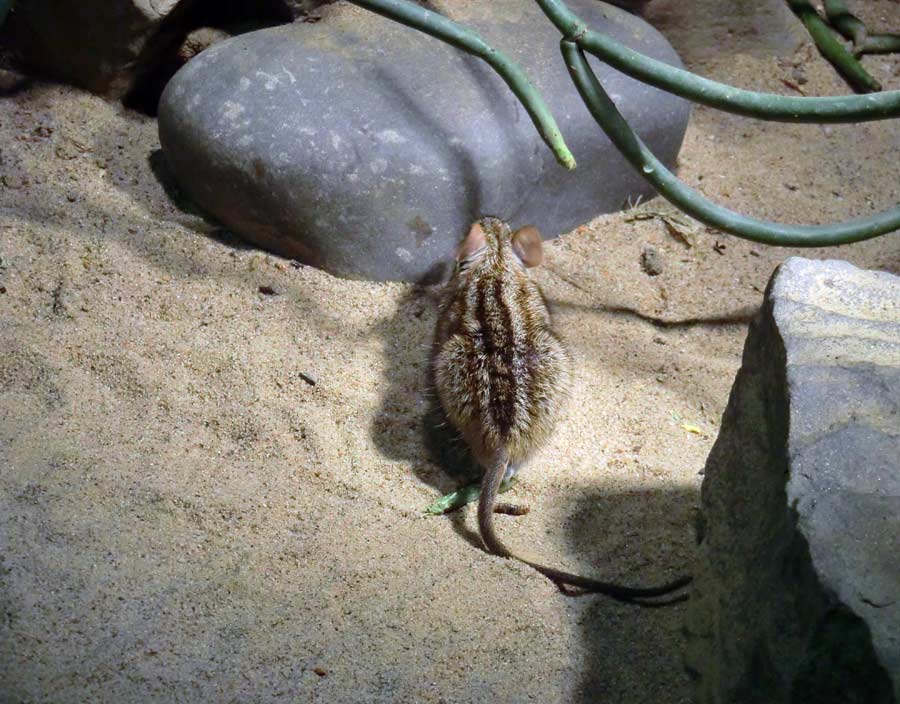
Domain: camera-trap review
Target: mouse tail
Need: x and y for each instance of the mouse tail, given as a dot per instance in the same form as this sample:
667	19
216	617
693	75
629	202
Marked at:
490	487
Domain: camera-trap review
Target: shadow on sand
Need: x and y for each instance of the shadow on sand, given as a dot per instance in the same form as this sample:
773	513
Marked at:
640	538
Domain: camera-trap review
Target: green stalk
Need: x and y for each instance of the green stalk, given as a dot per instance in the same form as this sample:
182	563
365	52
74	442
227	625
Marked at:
879	44
845	22
766	106
5	5
446	30
834	52
641	158
853	28
462	496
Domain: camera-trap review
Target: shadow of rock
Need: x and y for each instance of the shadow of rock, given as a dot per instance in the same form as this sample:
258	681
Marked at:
164	176
642	537
171	205
166	179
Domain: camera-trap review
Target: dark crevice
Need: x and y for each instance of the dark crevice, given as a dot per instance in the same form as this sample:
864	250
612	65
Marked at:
192	26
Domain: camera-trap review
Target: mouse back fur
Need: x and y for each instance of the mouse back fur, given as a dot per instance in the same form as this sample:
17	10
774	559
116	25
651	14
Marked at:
501	373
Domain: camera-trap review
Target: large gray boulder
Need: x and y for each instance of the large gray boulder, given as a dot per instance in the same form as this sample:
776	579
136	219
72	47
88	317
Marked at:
797	588
367	148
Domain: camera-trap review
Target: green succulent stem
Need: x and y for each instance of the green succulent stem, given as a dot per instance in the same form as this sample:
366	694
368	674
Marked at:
832	49
878	44
845	22
578	38
764	106
853	28
464	495
690	201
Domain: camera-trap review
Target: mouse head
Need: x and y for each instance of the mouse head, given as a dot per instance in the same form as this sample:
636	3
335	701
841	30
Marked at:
492	240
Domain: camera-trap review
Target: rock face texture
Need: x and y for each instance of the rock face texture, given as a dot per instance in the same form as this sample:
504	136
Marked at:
367	148
797	588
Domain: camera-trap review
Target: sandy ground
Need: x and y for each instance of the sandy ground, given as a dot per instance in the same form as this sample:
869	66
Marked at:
208	493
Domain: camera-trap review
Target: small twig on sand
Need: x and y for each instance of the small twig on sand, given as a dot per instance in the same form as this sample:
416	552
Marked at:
679	226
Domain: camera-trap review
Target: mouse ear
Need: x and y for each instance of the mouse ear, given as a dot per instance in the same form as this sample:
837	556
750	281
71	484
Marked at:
526	243
475	240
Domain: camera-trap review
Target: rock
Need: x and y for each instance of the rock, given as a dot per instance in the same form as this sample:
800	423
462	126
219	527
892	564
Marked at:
796	595
95	44
367	148
11	81
12	181
651	261
114	47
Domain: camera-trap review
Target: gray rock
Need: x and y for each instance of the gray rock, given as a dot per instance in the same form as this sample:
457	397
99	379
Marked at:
366	148
797	588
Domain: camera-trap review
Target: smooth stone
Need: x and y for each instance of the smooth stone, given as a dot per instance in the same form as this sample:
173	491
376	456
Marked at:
366	148
796	594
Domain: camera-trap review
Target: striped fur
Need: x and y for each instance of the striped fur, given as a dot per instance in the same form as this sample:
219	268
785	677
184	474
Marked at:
501	373
502	377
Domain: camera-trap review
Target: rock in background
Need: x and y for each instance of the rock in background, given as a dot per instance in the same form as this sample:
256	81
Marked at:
126	48
92	44
797	588
367	148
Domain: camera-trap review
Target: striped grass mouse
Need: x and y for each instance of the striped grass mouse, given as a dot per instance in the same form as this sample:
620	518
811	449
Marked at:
502	375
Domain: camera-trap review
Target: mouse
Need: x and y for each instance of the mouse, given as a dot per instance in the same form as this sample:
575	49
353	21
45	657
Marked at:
502	375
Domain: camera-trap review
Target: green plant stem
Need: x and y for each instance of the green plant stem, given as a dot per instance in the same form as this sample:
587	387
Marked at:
636	152
446	30
853	29
462	496
845	22
4	8
879	44
834	52
766	106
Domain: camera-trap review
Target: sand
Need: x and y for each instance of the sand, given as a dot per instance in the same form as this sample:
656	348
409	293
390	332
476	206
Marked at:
212	493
